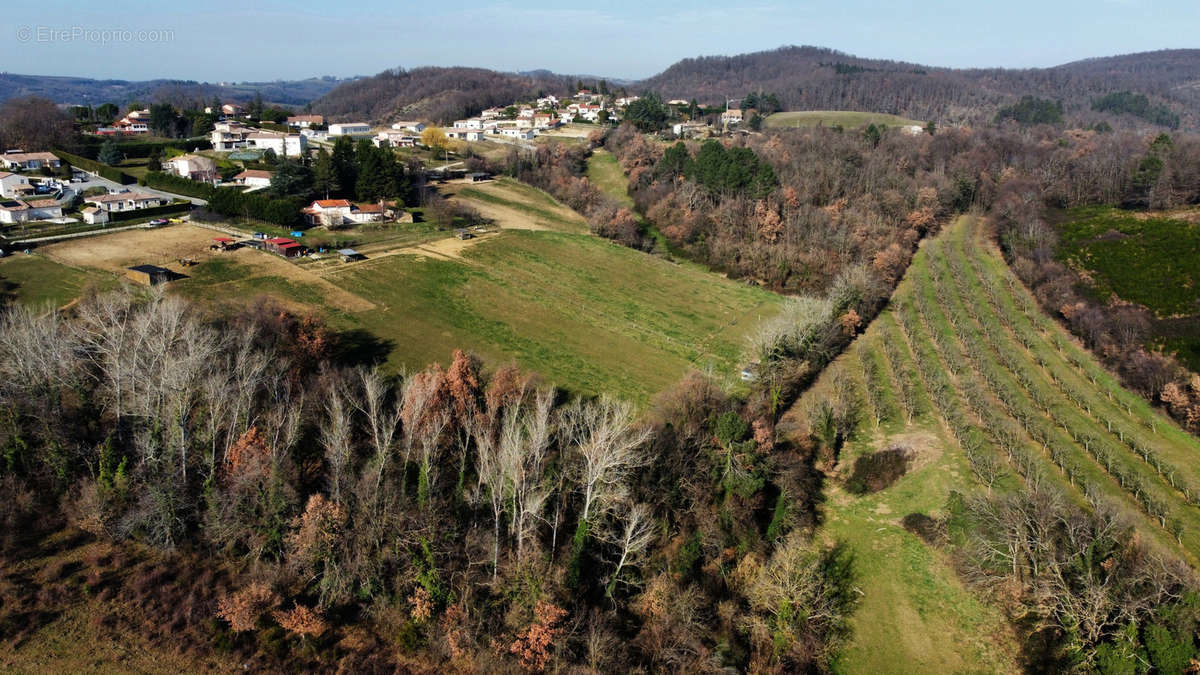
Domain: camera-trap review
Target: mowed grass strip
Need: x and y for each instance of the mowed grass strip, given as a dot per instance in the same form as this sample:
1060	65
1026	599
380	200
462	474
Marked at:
849	119
583	312
605	173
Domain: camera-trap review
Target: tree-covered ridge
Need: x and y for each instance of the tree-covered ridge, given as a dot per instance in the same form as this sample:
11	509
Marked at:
1129	103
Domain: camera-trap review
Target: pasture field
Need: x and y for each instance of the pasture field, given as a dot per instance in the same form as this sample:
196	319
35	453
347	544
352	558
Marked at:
37	281
535	289
605	173
964	370
848	119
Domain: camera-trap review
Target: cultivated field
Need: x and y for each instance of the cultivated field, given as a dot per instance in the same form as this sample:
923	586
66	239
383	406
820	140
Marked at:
847	118
989	393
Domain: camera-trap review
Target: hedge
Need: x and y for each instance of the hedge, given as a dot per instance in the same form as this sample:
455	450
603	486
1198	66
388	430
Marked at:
230	201
177	184
90	146
105	171
169	209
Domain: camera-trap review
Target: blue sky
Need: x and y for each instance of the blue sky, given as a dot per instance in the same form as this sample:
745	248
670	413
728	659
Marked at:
274	39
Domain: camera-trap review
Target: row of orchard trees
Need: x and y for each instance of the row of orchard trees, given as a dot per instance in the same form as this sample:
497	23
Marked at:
479	507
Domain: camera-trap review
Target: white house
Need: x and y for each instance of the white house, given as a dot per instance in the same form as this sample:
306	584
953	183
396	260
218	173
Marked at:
304	121
913	129
29	161
491	113
470	123
93	215
396	139
231	109
349	129
524	134
24	211
254	178
732	116
467	134
194	167
408	125
335	212
125	201
228	136
13	185
688	129
548	102
626	100
284	145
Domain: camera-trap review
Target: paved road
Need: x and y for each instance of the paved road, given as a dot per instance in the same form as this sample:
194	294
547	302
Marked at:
97	181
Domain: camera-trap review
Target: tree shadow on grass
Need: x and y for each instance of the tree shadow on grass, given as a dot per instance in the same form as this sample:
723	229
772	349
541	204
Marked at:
358	347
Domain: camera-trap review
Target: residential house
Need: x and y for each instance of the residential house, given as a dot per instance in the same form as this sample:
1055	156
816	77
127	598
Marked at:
126	201
94	215
337	212
254	178
689	129
396	139
626	100
231	109
492	113
13	185
134	122
677	101
545	121
19	211
526	112
29	161
523	134
548	102
912	129
284	145
470	123
193	167
467	134
731	116
349	129
304	121
227	136
409	125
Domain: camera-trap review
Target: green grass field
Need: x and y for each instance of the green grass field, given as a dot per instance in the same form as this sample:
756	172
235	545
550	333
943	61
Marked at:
582	312
964	357
1154	262
35	281
605	173
848	119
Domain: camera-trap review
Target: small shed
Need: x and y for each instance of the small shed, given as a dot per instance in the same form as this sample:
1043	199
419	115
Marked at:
221	243
463	234
150	275
284	247
349	254
94	216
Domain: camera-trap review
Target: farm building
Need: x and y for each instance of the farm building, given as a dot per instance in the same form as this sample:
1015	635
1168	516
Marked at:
150	275
283	246
349	254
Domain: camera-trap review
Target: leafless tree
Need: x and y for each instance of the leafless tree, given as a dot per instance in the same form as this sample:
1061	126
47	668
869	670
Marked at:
604	439
632	537
335	439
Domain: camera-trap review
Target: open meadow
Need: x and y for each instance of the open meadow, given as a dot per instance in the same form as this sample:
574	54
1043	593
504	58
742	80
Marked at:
848	119
988	393
535	289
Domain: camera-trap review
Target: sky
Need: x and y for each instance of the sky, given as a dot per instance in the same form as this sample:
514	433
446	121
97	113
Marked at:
272	39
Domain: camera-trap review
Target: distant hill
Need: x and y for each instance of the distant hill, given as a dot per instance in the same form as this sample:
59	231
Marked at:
85	91
439	94
815	78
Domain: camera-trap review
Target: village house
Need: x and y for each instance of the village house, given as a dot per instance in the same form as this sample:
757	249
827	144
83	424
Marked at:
396	139
545	121
548	102
284	145
94	215
626	100
523	134
228	136
13	185
254	178
193	167
304	121
689	129
732	116
470	123
467	134
526	112
125	201
337	212
349	129
18	211
408	125
231	109
29	161
492	113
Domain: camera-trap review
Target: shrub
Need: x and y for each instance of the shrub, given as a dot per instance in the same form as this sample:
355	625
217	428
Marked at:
930	530
878	470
